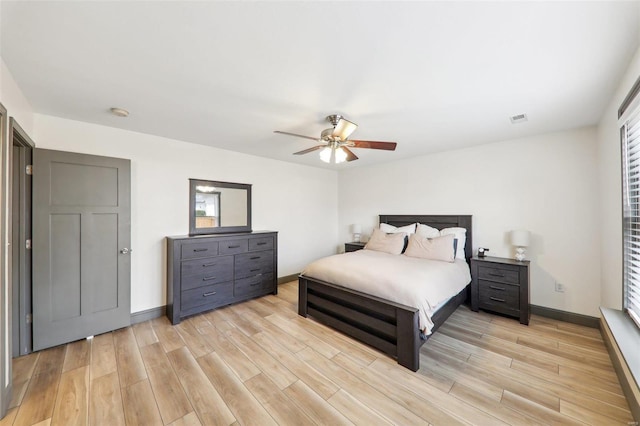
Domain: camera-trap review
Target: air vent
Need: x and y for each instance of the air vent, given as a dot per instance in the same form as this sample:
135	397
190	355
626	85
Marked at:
519	118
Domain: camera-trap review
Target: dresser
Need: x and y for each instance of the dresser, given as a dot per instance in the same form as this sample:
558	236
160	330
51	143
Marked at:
354	246
501	285
208	271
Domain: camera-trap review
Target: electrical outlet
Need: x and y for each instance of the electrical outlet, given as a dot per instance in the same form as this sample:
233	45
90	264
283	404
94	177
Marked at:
559	287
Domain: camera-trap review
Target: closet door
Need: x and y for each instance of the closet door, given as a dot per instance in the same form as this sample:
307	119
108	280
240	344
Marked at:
81	246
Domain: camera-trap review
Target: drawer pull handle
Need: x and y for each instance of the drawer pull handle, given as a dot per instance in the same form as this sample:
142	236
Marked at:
209	264
201	249
208	278
493	287
211	293
262	244
496	275
496	299
255	258
255	270
233	246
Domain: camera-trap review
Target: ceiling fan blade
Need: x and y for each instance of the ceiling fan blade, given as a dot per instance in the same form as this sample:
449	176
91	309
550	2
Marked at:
387	146
297	135
343	129
306	151
350	155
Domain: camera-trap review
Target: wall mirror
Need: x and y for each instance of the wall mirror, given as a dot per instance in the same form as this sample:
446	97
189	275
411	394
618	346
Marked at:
219	207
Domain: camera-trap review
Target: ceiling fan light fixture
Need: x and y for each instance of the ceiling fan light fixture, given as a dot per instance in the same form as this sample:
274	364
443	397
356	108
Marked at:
325	155
341	155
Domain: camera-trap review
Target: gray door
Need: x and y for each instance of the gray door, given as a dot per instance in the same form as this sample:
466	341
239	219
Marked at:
81	239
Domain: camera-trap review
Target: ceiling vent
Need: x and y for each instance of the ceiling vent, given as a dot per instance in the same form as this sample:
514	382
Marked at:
519	118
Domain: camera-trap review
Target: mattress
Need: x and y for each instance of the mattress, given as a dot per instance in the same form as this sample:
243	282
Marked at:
420	283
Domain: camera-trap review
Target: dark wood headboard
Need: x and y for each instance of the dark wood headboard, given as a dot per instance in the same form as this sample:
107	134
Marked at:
435	221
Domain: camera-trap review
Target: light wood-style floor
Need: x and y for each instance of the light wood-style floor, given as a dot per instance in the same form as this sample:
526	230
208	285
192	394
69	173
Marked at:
259	363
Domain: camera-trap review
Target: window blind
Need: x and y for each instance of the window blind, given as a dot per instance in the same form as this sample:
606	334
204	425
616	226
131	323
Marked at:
630	134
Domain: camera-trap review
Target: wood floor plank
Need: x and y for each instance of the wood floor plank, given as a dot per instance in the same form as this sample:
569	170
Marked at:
372	397
140	407
491	406
167	335
499	380
235	358
279	406
19	390
103	356
303	335
244	406
196	343
144	334
168	392
317	408
23	367
39	401
9	418
292	344
190	419
354	410
130	365
78	355
50	360
543	414
105	406
586	415
305	372
414	393
204	398
270	366
72	402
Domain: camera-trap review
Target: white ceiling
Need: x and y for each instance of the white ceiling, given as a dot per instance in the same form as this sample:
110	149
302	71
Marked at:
431	76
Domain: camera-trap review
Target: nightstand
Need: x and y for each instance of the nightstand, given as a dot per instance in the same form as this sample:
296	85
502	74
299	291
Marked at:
500	285
353	246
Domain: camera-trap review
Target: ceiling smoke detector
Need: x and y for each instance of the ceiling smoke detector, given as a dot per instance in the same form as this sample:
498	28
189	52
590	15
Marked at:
518	118
120	112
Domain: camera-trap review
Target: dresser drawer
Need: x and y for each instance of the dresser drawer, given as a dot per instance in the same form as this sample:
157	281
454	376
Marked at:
259	284
207	266
203	249
491	292
211	295
263	243
253	263
234	246
498	274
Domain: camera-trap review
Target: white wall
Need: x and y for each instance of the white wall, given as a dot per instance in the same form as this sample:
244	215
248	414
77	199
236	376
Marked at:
610	176
14	100
298	201
546	184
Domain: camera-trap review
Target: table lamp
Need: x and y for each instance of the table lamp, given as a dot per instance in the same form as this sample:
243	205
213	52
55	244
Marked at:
520	239
356	230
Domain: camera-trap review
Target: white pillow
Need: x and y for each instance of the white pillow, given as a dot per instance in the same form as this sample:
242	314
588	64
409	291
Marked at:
390	229
461	235
439	248
426	231
388	243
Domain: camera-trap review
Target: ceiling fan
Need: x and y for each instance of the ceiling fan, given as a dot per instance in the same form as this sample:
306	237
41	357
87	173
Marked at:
335	146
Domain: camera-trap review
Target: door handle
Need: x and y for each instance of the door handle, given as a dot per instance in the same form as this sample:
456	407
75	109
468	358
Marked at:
126	250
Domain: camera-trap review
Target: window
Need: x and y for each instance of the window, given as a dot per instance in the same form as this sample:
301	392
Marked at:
630	135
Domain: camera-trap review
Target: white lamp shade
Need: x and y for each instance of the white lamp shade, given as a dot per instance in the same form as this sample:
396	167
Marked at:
356	228
520	238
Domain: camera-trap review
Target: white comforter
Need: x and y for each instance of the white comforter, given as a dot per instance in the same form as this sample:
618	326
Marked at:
420	283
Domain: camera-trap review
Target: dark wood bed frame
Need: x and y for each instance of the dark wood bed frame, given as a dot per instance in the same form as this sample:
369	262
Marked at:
390	327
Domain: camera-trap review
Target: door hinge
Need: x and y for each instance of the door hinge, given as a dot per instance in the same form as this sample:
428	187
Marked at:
29	318
28	244
30	169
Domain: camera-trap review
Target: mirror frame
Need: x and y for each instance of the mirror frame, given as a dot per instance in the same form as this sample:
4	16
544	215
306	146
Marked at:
218	229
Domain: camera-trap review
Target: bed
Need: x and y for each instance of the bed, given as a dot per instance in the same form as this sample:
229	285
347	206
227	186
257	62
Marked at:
391	327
